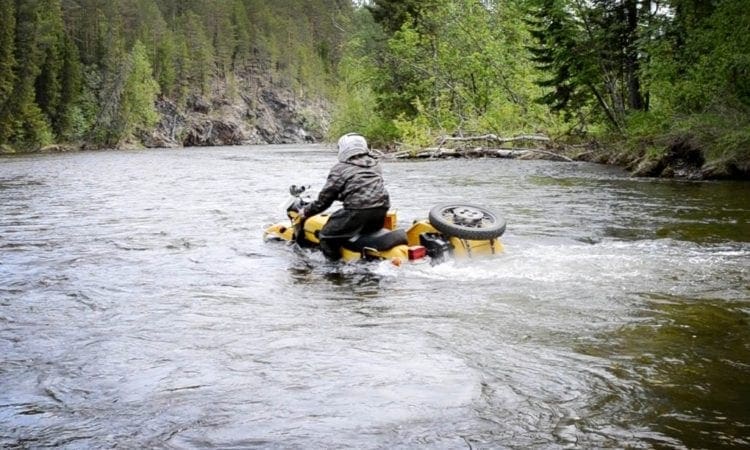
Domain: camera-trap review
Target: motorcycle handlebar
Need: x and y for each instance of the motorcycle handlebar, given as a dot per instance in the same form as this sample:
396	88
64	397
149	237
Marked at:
297	190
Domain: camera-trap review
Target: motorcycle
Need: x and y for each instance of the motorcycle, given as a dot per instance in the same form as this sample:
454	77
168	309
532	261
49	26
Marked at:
451	230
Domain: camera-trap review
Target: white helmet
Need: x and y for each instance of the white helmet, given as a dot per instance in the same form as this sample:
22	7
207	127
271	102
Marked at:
351	145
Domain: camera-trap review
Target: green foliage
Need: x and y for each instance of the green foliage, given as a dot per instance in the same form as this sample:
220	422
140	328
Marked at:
197	57
462	67
697	76
725	140
112	73
415	133
75	69
644	124
241	30
590	56
24	123
7	64
355	101
394	14
653	73
48	85
71	83
397	71
718	66
137	111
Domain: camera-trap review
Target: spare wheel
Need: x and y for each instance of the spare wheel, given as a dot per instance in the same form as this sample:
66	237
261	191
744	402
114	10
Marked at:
466	221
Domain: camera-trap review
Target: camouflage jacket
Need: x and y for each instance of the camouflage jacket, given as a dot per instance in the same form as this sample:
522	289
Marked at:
357	183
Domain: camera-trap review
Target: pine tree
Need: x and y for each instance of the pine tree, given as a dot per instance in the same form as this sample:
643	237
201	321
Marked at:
241	29
7	65
393	14
165	66
199	62
65	65
111	71
154	33
71	122
137	108
591	53
48	84
29	125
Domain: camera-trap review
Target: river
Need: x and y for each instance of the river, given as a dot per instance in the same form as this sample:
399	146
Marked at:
140	308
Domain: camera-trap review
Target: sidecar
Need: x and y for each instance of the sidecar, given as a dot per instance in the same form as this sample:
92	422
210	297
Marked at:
451	230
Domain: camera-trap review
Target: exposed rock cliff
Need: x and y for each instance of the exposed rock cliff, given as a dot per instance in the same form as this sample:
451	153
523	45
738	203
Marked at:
257	114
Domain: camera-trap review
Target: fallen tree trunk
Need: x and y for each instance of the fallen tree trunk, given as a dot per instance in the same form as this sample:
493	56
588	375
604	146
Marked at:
494	138
477	152
464	150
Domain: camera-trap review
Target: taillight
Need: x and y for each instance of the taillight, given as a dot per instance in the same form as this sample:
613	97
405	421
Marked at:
417	252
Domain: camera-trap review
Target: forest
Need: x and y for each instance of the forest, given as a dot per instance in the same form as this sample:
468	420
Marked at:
651	84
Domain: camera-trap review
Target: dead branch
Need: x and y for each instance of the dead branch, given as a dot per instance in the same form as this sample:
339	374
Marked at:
475	152
494	138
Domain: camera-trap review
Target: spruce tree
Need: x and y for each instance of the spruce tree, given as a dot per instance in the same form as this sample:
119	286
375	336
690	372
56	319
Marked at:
71	122
7	65
48	84
29	126
591	55
393	14
137	108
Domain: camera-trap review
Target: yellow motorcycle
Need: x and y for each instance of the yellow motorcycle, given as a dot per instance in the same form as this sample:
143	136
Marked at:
451	230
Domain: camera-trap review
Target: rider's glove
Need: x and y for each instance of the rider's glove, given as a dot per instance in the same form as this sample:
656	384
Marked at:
301	214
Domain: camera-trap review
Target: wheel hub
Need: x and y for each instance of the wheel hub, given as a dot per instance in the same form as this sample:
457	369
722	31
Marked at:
467	216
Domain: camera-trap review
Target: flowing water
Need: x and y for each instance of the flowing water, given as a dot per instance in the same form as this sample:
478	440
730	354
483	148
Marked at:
140	308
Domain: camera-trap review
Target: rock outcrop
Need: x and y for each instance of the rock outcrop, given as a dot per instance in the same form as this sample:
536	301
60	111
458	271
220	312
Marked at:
258	114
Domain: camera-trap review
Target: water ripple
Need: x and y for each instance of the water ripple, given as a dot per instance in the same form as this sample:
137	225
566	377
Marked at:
140	308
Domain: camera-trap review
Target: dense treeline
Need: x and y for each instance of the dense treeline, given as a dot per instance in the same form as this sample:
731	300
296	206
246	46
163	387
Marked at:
652	77
92	70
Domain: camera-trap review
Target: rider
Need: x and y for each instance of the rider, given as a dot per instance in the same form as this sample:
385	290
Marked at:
357	181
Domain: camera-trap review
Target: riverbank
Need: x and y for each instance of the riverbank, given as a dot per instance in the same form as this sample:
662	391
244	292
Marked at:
682	156
272	117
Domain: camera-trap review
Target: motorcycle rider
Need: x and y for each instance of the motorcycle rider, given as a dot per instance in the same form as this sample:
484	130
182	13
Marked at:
357	181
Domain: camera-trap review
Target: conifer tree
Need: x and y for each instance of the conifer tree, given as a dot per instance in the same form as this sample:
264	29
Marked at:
28	125
199	61
393	14
7	64
111	70
48	84
241	29
590	53
137	110
71	123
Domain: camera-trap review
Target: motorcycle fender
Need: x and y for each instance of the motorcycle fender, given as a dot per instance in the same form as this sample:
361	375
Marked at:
400	252
313	226
349	255
464	248
278	231
418	228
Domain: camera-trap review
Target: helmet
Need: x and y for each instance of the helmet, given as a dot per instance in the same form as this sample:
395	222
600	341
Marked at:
351	145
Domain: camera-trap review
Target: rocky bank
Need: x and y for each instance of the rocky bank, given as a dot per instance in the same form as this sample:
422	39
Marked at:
257	113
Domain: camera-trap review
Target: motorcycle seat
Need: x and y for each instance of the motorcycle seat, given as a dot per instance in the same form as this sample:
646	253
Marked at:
382	239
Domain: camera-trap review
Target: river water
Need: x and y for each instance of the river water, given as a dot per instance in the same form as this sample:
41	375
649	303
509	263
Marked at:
140	308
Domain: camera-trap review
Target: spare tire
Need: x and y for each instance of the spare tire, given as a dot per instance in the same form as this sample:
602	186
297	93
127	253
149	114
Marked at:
467	221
